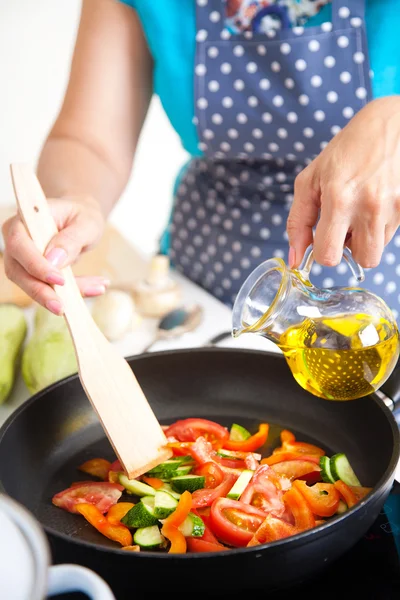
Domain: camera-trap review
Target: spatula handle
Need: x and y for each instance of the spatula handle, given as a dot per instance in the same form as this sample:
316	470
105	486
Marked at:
35	214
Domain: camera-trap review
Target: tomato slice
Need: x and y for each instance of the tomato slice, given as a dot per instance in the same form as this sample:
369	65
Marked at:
264	491
188	430
296	469
272	529
212	472
113	473
234	523
323	498
115	532
302	513
201	545
98	467
101	494
205	497
252	443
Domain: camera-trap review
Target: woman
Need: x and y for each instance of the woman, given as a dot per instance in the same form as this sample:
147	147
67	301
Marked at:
291	138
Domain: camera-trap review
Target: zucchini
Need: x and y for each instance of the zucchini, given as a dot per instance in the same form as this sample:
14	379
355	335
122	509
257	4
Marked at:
192	526
238	433
142	514
168	488
183	470
165	470
149	538
342	469
341	508
136	487
326	473
240	484
191	483
164	504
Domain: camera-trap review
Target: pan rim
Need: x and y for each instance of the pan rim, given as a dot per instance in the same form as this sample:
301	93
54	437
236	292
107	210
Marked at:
387	478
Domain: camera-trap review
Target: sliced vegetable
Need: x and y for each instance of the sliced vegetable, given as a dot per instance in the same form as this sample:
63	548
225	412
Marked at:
286	456
191	483
323	498
136	487
166	470
250	444
154	482
238	433
188	430
149	538
164	504
117	533
168	488
342	507
346	493
300	509
118	511
272	529
101	494
234	522
240	485
193	526
142	514
206	497
178	544
212	473
342	469
326	473
98	467
296	469
360	491
195	544
170	528
265	491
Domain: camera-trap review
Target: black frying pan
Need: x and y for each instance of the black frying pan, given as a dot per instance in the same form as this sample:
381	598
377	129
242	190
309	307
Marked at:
45	440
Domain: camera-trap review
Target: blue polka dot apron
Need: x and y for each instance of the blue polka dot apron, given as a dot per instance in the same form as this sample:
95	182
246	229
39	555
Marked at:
266	104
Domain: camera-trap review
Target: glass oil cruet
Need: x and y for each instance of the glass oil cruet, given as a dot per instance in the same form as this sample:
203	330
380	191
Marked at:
340	343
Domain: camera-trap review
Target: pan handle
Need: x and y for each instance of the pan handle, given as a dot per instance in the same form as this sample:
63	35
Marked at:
64	579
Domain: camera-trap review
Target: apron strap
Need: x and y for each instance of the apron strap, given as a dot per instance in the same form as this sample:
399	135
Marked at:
211	17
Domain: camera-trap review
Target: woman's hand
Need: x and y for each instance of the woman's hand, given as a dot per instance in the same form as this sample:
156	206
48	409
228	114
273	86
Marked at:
80	223
353	186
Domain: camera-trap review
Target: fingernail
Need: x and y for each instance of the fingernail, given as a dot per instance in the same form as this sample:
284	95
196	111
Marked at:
55	307
94	290
57	257
55	278
292	258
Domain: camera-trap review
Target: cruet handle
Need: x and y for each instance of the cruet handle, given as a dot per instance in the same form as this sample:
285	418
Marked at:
308	260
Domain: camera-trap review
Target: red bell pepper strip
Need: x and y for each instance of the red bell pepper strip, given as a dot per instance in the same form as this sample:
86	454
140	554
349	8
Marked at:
197	545
302	513
323	498
296	469
117	533
283	456
98	467
252	443
118	511
346	493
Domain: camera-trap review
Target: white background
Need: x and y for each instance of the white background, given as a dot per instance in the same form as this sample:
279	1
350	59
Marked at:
36	43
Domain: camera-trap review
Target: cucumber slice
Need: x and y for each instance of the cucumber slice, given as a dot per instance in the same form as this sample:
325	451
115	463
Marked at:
341	508
165	470
326	473
164	504
183	470
240	484
136	487
149	537
342	469
238	433
192	526
168	488
181	483
142	514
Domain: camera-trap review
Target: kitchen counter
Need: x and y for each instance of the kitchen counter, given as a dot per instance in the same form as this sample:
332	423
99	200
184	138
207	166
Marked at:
216	319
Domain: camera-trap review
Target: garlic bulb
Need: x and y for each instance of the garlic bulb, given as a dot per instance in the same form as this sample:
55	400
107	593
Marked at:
114	313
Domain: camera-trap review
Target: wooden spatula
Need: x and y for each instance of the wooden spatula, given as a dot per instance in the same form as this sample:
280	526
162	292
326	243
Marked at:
112	388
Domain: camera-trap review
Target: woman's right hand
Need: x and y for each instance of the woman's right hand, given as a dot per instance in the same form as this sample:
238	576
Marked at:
80	223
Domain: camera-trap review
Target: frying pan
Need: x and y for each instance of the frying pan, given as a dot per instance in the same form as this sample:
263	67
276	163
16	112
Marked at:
44	441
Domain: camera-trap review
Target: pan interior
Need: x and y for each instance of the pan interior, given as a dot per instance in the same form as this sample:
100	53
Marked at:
44	443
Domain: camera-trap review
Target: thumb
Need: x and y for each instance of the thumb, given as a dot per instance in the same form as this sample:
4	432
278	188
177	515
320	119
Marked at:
302	217
79	227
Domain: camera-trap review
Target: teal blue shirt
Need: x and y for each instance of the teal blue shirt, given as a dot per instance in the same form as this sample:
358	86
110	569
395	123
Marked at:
170	29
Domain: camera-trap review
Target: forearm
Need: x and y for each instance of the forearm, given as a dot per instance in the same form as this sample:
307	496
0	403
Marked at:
69	167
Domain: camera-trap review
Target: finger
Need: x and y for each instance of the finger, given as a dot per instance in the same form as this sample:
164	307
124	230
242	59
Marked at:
20	247
302	217
333	228
92	286
368	242
40	292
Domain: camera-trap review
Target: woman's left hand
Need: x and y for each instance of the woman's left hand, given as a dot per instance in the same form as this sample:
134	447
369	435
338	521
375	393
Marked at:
353	186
